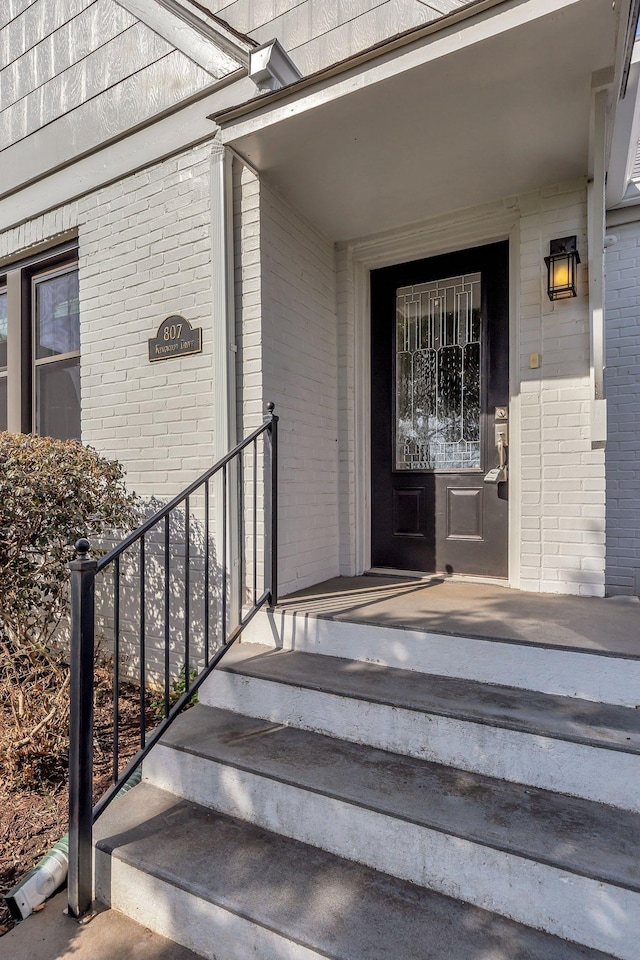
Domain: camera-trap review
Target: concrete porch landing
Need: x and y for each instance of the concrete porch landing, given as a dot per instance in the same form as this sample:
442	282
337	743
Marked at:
452	607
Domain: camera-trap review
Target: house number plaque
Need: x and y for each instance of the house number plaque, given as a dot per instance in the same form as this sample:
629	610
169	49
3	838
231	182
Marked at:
175	338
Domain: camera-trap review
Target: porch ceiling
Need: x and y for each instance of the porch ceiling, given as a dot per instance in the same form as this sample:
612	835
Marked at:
480	110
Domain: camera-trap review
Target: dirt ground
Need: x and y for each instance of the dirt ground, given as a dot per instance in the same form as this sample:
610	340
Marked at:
34	809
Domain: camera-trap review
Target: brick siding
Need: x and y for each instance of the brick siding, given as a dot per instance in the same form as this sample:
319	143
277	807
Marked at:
623	411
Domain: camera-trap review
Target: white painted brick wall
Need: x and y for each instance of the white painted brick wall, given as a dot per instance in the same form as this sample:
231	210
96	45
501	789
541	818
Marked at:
248	298
561	549
623	411
20	241
300	374
145	253
562	479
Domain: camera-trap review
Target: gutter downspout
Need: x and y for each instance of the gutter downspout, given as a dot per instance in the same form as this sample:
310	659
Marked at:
49	873
224	359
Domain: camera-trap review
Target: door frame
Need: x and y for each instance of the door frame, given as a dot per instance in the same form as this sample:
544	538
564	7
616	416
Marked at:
445	235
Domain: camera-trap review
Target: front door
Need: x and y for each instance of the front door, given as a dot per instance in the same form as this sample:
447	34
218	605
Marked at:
439	400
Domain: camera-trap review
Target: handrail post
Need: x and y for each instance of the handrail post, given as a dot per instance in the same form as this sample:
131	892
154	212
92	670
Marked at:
80	879
271	505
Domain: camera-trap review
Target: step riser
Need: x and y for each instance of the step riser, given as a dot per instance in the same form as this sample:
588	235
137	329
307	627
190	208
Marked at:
607	776
603	679
209	930
576	908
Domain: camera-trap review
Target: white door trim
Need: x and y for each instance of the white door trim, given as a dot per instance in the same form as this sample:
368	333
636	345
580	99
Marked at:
470	228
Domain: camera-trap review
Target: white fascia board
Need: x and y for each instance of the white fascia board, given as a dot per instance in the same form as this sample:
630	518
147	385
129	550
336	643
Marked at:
161	138
216	50
621	216
626	131
436	41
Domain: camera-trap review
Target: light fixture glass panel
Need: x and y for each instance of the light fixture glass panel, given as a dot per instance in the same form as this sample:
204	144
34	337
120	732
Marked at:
57	315
561	273
562	265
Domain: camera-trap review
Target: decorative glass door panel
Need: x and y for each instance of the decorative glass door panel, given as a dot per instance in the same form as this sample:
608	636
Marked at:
438	363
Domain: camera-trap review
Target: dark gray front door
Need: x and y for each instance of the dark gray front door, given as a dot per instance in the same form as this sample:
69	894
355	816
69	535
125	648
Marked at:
439	370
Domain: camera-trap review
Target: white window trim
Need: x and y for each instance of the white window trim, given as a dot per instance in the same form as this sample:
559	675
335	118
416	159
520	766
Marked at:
37	278
16	278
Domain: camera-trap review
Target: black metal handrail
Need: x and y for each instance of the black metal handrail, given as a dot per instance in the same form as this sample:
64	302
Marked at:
82	813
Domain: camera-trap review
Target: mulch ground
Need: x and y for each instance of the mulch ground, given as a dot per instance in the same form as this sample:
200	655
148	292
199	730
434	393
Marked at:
34	807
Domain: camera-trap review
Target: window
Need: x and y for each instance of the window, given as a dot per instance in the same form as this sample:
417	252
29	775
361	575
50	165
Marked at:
40	345
56	339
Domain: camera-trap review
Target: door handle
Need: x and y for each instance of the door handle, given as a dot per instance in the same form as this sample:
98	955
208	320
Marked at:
500	473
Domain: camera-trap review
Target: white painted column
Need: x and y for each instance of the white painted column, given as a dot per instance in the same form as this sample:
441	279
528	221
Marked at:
596	230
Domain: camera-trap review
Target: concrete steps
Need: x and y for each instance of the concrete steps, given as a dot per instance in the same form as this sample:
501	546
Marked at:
496	810
571	670
573	746
230	890
558	863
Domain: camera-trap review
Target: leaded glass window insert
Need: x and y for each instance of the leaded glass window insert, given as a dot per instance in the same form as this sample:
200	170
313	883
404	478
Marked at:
438	363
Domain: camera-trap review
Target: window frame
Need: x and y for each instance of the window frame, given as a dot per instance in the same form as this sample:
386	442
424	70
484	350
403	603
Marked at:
17	277
4	373
37	277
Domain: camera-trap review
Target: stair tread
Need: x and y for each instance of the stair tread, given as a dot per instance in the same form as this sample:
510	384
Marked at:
559	717
342	909
569	833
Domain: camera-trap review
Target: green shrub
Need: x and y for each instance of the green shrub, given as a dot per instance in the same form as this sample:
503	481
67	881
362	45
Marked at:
176	688
52	492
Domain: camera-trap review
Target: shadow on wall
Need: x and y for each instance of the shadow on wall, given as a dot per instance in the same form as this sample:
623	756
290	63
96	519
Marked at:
162	618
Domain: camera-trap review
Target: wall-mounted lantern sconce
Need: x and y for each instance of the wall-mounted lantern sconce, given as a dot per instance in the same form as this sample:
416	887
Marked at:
562	264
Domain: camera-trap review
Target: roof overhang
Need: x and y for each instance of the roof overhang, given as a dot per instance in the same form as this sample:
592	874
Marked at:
491	101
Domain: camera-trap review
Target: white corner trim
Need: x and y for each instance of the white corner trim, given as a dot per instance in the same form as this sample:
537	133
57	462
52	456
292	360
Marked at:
596	226
515	449
362	414
216	50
